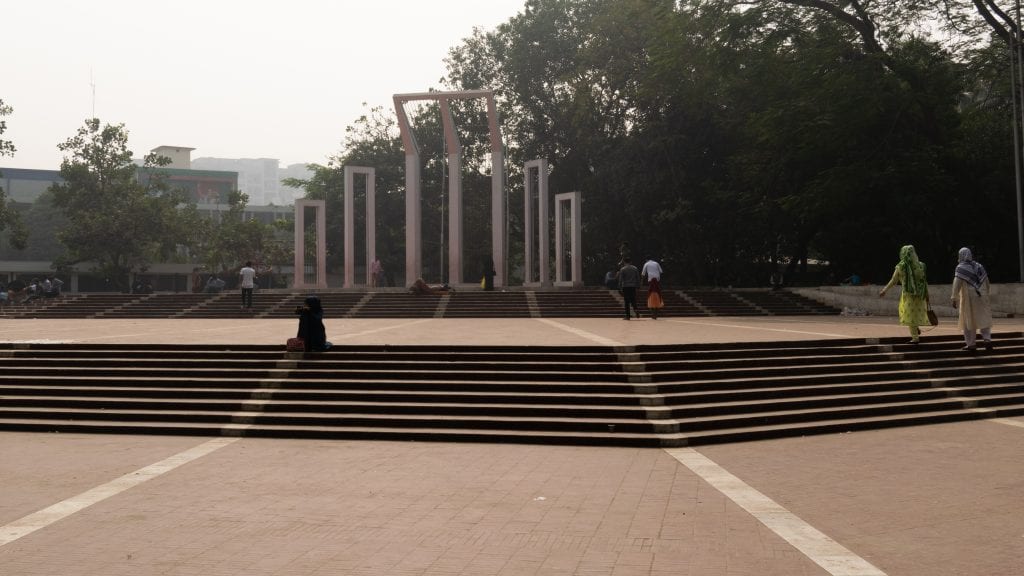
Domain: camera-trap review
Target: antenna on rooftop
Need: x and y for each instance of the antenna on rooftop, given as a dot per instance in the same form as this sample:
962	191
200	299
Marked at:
93	85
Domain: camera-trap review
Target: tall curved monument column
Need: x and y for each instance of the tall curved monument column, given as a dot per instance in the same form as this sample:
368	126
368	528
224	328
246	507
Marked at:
413	211
320	207
454	148
350	222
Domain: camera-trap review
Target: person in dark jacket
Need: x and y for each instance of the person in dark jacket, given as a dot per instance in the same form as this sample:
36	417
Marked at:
629	281
311	325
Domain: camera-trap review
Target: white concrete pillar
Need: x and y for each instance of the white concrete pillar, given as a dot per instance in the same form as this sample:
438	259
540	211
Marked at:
537	241
350	222
568	202
320	207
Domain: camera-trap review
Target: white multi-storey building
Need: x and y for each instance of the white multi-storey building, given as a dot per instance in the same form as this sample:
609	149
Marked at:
259	178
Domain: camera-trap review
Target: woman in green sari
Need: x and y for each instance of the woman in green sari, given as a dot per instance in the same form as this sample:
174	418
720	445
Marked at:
910	273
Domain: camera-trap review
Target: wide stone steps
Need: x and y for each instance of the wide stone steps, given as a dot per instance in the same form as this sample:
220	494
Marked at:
113	400
638	396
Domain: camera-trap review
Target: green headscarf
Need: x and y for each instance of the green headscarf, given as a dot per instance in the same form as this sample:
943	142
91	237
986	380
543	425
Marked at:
912	272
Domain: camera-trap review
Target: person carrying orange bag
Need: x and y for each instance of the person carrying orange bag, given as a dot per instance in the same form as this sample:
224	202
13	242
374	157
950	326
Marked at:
652	273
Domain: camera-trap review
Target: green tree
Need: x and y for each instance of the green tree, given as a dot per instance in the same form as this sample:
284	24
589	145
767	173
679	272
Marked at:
729	140
116	223
41	221
229	239
9	218
956	173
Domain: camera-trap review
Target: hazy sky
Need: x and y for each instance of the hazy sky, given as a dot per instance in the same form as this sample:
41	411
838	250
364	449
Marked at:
230	78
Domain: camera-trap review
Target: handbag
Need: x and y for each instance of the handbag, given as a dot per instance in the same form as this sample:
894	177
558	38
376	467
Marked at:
295	345
933	318
654	300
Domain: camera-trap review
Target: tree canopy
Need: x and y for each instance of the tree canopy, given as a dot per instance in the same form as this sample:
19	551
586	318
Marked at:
733	139
9	217
117	222
225	242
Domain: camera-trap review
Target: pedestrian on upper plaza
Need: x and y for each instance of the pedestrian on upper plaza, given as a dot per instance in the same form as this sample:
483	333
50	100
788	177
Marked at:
611	280
487	282
971	296
629	281
376	273
914	304
247	280
197	280
651	272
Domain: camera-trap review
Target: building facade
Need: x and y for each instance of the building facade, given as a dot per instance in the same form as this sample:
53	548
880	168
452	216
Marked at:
208	189
262	179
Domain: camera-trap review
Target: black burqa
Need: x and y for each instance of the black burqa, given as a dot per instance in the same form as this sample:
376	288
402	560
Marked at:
311	325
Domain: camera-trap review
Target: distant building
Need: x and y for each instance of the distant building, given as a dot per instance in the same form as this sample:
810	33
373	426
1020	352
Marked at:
181	157
259	178
206	188
289	194
209	189
24	185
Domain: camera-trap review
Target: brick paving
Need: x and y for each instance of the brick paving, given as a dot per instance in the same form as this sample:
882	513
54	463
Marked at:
475	331
930	501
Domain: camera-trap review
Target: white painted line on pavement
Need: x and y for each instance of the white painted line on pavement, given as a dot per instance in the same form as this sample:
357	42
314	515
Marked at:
749	327
376	330
43	518
1008	422
581	333
822	550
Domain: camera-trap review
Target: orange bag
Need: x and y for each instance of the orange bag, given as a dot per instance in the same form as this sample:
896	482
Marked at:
654	300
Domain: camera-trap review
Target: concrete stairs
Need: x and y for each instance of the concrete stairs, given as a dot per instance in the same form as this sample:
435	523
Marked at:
673	395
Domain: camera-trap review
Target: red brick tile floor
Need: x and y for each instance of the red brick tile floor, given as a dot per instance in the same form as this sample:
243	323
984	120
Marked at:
923	501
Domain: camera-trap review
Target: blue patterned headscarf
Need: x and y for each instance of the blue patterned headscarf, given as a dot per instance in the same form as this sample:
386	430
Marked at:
912	274
970	271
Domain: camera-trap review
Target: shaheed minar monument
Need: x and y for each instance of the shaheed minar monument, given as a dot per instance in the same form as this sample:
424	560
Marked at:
568	264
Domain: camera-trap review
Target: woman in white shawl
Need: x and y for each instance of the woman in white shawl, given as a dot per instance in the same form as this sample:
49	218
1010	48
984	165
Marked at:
970	295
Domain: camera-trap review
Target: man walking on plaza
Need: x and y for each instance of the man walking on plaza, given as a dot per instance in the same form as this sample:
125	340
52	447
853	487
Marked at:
629	281
247	278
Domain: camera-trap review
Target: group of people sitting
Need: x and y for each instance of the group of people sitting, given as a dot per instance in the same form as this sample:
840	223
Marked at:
214	285
19	293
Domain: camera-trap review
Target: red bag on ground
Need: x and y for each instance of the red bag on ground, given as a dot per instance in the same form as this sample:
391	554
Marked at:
295	345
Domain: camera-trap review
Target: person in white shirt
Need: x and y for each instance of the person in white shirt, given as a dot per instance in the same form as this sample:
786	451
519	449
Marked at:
247	276
652	273
376	273
651	270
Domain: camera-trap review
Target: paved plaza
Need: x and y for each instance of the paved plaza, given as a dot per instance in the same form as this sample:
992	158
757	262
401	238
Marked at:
476	331
930	500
